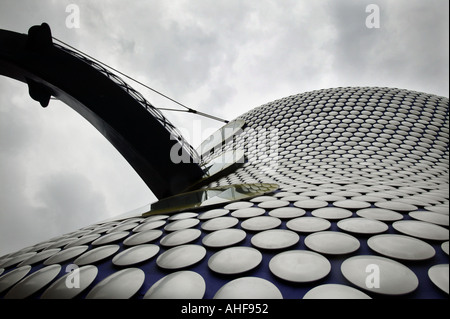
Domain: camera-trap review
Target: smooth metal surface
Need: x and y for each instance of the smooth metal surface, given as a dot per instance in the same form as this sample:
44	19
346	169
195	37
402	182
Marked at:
40	256
143	237
219	223
441	209
308	224
275	239
83	240
122	284
154	224
260	223
359	225
110	238
183	216
181	256
299	266
65	255
287	212
295	198
430	217
213	213
249	288
351	204
124	227
180	237
11	278
235	260
260	199
11	261
331	242
96	255
238	205
273	204
439	275
421	229
368	198
396	206
32	283
394	278
381	214
61	242
332	213
401	247
60	289
310	204
153	218
335	291
224	238
182	224
330	198
248	212
135	255
445	246
178	285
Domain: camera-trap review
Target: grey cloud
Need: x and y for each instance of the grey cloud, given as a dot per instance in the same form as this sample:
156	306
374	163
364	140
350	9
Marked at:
16	135
410	46
67	201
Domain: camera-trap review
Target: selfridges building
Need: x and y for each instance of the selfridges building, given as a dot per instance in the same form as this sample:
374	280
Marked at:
333	193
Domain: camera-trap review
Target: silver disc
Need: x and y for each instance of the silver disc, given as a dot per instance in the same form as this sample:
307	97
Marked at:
308	224
299	266
421	229
335	291
260	223
275	239
360	225
331	242
234	260
439	276
224	238
181	256
249	288
332	213
178	285
180	237
122	284
135	255
401	247
380	275
31	284
60	288
12	277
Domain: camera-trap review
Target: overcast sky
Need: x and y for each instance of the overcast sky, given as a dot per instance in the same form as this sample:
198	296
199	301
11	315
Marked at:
223	57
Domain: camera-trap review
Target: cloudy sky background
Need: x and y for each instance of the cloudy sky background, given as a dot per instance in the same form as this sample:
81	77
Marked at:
223	57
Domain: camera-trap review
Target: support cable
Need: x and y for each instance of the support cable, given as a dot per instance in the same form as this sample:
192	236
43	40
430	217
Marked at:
188	109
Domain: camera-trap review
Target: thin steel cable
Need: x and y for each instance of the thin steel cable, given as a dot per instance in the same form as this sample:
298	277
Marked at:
189	110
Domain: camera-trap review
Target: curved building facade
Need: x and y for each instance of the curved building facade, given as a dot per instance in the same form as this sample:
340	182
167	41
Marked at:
340	193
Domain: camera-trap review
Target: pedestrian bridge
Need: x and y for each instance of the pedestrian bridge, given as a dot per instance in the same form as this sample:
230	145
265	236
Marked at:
136	128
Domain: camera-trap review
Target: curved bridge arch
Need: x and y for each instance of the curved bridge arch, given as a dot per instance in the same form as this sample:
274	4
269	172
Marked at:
131	124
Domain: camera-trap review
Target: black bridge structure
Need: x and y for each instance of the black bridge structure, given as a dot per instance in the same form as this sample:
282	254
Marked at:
138	130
